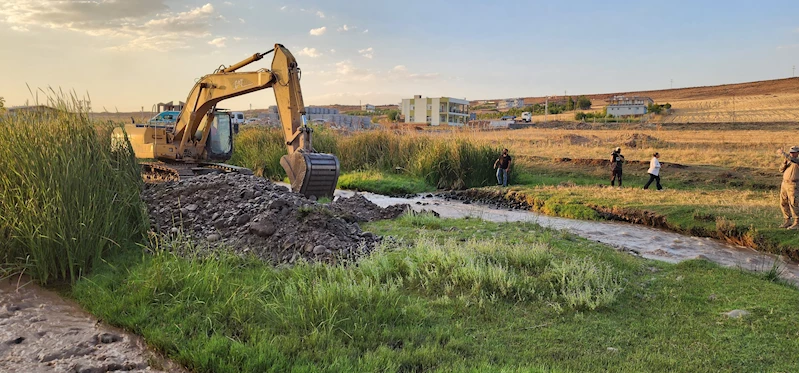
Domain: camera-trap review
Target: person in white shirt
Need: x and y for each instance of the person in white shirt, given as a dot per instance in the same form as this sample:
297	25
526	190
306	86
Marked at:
654	172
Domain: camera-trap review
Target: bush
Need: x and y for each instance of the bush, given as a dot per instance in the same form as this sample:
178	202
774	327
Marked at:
66	197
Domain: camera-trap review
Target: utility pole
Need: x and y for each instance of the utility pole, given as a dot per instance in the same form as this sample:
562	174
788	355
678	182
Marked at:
672	83
546	109
793	74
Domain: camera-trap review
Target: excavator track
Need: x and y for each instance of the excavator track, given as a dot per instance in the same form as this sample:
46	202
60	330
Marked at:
159	172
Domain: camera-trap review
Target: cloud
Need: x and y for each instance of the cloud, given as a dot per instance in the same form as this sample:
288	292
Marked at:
228	3
241	20
346	28
320	14
284	7
143	24
367	53
401	72
310	52
236	38
218	42
346	72
790	46
318	31
332	51
366	31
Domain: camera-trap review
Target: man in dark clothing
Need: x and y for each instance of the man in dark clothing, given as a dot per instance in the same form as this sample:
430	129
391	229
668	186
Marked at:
502	165
616	160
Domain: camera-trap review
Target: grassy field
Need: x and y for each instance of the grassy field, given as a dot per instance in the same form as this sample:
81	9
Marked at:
447	297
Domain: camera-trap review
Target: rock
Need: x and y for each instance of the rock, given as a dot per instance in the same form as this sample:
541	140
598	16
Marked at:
736	314
613	350
109	338
319	249
262	229
243	219
213	237
191	207
711	297
174	230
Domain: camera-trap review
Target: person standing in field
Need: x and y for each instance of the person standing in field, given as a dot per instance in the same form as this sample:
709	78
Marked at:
789	200
502	164
654	172
616	160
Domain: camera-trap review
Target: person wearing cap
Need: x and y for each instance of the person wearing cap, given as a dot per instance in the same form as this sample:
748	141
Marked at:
654	172
789	193
616	160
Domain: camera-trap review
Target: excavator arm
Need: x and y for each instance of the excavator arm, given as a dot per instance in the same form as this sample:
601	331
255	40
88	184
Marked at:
311	173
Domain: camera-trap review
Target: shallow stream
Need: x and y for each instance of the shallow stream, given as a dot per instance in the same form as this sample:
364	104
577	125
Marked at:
650	243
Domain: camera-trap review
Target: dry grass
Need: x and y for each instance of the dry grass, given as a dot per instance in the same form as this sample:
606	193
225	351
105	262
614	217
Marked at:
754	108
724	148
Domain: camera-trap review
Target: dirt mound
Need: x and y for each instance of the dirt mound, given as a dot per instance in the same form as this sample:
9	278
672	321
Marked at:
252	215
638	139
575	139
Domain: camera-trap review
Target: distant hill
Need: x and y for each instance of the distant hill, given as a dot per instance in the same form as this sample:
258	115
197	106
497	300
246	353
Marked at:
763	87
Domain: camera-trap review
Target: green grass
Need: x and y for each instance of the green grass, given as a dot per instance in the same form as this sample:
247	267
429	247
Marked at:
451	299
66	197
382	183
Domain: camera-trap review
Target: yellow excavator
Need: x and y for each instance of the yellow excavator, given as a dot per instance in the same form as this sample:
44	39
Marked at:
202	136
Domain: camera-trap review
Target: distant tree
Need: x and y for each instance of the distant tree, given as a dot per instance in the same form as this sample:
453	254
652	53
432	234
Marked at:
654	108
580	116
393	115
570	104
584	103
667	106
2	104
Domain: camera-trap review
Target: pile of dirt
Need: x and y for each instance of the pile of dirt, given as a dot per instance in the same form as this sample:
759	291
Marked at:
252	215
575	139
638	139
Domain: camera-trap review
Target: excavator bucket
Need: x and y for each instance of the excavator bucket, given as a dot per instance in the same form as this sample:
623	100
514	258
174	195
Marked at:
312	174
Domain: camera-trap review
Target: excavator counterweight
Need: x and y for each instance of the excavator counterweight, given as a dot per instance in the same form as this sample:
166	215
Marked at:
202	135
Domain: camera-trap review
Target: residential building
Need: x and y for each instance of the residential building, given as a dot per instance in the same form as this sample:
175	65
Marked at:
368	108
620	106
435	111
510	103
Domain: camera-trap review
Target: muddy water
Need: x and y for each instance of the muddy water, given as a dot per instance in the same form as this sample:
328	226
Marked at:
42	332
647	242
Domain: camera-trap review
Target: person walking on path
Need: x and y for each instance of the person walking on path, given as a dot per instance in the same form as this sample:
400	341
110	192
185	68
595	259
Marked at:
789	193
654	172
502	164
616	160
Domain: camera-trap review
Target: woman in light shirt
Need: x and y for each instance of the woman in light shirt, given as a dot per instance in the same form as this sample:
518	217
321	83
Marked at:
654	172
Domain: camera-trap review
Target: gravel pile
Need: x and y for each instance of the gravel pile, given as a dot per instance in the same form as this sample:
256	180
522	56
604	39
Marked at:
252	215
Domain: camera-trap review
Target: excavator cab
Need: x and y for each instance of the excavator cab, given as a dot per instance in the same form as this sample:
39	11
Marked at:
220	138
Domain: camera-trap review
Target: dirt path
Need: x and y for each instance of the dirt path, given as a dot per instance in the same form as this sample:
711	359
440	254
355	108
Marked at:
42	332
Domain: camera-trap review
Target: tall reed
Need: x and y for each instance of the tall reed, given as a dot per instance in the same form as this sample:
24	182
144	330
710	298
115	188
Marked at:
447	163
66	197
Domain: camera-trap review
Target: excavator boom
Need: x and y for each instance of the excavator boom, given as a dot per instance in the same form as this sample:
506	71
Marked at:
184	150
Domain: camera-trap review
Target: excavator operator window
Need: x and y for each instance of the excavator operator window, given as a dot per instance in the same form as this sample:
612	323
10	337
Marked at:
220	141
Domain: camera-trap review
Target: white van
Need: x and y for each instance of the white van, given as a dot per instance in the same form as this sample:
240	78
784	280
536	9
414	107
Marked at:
237	117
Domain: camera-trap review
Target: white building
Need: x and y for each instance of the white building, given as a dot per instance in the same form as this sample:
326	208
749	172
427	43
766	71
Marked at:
620	106
368	108
435	111
510	103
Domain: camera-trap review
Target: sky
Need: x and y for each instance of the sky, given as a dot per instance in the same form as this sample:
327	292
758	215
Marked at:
125	55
